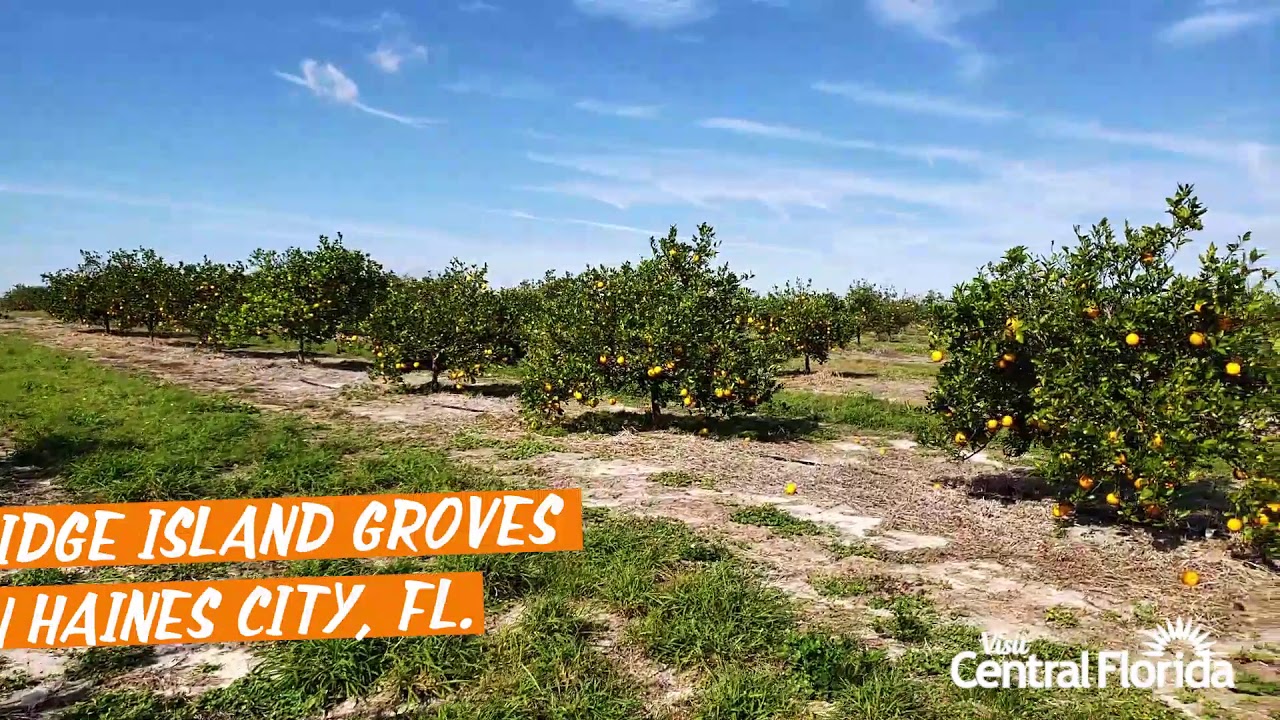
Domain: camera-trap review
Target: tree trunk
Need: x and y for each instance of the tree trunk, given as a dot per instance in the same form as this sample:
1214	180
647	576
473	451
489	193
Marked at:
302	350
807	369
858	337
106	322
151	331
654	411
435	372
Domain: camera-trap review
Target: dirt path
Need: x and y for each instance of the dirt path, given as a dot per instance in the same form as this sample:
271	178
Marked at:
961	531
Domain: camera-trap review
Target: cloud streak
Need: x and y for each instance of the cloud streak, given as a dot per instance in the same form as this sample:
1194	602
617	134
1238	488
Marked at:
392	54
936	21
633	112
327	82
649	14
928	153
1216	22
506	90
914	102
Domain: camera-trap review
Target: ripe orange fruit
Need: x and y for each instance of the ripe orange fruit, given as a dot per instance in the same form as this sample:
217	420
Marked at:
1002	363
1113	499
546	386
622	360
1061	510
1190	578
613	401
1006	421
1199	305
1239	474
604	359
1132	339
961	438
1148	258
1114	435
1274	507
704	432
1157	442
1009	357
577	395
1233	368
1154	511
1197	339
992	424
1086	482
1263	519
1235	524
936	356
1121	459
1092	312
790	489
1140	483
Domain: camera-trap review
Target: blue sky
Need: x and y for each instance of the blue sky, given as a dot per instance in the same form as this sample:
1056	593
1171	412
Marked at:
902	141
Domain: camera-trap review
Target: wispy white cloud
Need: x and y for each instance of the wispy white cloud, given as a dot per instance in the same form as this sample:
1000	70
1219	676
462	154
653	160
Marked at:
395	48
1207	148
382	22
1218	19
914	102
391	54
522	215
303	224
477	6
649	14
635	112
505	89
937	21
928	153
327	82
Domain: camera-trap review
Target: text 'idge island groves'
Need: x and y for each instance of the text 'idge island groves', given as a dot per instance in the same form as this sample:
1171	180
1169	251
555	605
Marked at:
268	530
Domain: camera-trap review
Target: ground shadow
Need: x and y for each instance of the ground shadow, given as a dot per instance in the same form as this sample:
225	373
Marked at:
1204	501
756	427
50	455
322	359
492	390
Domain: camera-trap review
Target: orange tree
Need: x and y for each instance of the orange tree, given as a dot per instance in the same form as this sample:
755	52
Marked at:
808	323
82	295
435	324
26	298
671	328
143	288
307	296
861	303
517	307
1134	378
208	296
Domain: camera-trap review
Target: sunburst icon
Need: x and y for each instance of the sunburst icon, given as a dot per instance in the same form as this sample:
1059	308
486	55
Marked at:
1183	633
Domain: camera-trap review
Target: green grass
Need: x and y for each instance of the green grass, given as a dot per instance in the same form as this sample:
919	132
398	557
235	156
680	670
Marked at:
654	586
858	410
1250	683
528	447
1061	616
855	585
780	522
680	479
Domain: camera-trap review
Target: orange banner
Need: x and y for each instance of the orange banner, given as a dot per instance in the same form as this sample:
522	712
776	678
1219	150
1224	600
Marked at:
84	615
290	528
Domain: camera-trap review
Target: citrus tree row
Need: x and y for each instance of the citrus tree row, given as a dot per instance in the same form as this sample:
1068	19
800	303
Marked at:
1136	382
308	297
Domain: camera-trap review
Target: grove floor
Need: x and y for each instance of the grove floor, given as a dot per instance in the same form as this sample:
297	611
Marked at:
875	517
